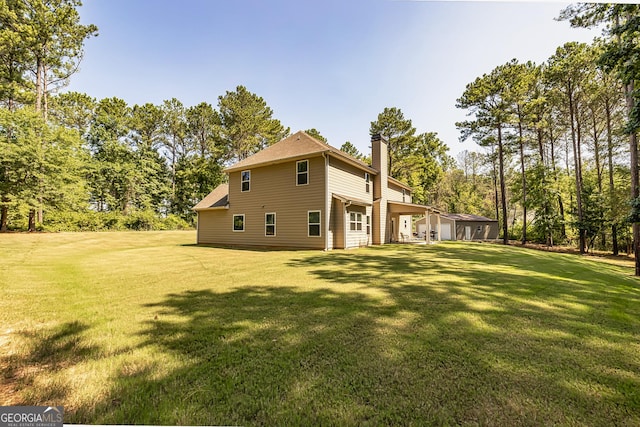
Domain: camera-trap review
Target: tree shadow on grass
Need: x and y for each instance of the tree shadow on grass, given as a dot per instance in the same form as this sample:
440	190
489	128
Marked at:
469	349
404	335
556	331
42	353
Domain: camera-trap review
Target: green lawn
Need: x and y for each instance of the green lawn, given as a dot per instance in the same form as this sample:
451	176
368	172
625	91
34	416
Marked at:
147	328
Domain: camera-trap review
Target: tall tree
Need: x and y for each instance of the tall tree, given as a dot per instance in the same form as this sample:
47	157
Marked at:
35	174
487	99
247	124
55	39
146	123
200	169
622	26
400	135
426	166
352	150
521	82
111	172
149	187
203	130
174	136
568	69
46	38
316	134
15	85
73	110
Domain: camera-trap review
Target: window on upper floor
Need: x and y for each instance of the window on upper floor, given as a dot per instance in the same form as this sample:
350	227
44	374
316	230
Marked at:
302	172
245	180
404	193
367	181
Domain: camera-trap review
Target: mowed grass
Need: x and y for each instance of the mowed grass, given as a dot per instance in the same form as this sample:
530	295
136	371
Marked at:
146	328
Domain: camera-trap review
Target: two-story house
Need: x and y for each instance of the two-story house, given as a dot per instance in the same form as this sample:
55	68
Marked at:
304	193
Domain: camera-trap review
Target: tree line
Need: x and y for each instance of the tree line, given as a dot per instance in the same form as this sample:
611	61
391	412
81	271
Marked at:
69	161
105	164
560	159
560	144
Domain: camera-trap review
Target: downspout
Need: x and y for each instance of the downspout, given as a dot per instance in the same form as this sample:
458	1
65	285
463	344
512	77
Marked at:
327	201
197	227
346	223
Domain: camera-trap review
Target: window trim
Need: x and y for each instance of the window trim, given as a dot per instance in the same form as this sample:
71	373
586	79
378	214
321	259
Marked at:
266	224
298	173
233	223
242	181
319	223
355	224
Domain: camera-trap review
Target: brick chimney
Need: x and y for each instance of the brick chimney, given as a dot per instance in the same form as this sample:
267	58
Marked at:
379	162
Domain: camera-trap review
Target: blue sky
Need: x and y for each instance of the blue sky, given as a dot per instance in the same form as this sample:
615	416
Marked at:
325	64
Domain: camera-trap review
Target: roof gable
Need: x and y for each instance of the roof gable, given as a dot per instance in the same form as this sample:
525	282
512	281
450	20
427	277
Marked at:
218	198
298	145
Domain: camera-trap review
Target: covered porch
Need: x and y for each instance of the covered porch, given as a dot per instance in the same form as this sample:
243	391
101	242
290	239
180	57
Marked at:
400	223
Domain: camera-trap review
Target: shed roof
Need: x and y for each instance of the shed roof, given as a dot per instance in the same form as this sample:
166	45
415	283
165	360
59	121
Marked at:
468	217
298	145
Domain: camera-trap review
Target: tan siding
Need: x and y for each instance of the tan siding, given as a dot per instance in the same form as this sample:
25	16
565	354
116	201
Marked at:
348	180
395	194
212	227
273	190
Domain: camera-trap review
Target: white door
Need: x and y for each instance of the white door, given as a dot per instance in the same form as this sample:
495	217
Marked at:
445	231
467	232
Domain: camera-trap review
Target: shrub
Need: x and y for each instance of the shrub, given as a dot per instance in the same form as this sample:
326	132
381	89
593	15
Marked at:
90	220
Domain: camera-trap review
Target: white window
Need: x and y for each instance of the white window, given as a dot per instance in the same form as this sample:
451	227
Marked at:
245	180
404	193
355	221
302	172
238	222
368	224
270	224
314	223
367	180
